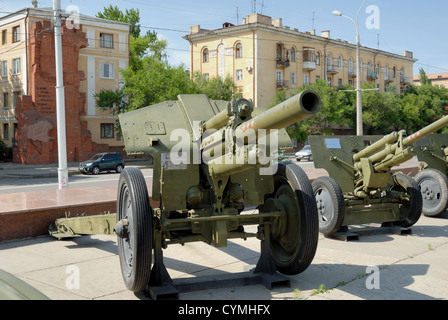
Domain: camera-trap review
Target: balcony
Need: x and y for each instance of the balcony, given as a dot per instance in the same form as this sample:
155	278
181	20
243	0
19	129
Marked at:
351	74
282	63
309	59
389	77
309	65
283	84
372	76
404	80
332	70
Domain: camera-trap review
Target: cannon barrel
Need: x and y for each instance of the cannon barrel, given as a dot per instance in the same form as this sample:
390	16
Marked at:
296	108
390	145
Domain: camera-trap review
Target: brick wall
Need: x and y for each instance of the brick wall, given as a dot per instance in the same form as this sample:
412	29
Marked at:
36	113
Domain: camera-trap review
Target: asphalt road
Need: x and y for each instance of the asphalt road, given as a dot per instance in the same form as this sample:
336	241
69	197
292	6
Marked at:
76	181
14	185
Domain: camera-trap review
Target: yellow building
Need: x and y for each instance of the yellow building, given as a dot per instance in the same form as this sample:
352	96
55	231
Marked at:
263	56
438	79
106	52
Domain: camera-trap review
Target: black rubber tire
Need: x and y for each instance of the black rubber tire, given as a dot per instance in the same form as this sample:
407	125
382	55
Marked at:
433	185
96	170
330	204
119	168
135	252
410	211
294	249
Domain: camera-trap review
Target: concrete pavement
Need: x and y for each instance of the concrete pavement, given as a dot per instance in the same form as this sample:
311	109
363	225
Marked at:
378	266
404	267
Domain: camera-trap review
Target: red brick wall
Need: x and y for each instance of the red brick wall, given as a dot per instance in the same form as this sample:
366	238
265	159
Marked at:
36	113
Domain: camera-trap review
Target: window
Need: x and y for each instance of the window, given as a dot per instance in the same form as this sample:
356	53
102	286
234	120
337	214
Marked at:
340	62
5	100
293	54
239	51
205	55
4	41
106	40
339	82
239	75
15	34
4	69
107	70
107	130
293	77
15	66
279	75
206	76
308	54
350	66
279	51
306	79
329	60
318	58
15	96
5	131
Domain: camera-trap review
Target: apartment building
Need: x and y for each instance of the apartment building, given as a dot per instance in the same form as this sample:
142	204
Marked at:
93	52
438	79
263	56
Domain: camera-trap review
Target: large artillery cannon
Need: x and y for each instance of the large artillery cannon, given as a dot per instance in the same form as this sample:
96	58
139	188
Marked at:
211	160
432	152
361	187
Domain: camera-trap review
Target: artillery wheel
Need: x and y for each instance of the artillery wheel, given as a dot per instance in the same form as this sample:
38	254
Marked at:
135	244
294	237
410	211
330	204
434	188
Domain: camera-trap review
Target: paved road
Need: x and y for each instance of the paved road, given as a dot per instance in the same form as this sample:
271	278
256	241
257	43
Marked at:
14	185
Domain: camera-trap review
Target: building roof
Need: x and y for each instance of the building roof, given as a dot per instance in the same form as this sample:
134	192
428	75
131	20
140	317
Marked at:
47	13
433	76
265	23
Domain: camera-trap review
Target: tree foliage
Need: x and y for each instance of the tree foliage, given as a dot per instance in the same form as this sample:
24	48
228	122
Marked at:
382	112
150	79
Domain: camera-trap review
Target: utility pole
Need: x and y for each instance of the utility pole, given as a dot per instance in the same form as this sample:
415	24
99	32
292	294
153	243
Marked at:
60	98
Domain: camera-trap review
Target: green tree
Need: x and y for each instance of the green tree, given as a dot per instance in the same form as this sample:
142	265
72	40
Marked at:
150	78
336	112
380	111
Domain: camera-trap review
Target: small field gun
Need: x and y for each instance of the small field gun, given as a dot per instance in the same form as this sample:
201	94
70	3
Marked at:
432	152
361	188
212	159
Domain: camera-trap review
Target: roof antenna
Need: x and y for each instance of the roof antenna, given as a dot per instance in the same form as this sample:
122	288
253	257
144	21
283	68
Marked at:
313	21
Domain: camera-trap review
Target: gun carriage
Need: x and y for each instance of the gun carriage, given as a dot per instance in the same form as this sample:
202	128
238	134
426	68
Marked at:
211	160
361	187
432	152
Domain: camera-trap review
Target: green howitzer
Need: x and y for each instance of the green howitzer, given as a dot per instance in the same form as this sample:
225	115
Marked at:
211	161
361	188
432	152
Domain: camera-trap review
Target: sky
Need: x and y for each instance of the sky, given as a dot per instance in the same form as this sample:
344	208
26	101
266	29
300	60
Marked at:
390	25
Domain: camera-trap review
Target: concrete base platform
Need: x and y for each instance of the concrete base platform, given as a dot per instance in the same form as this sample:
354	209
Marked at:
380	266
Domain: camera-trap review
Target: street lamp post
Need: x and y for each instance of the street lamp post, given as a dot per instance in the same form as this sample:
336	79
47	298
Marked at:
359	131
60	98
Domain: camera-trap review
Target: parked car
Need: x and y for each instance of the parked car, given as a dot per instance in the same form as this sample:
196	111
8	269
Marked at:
102	162
305	153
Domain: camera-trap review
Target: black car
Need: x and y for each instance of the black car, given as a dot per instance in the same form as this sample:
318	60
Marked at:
102	162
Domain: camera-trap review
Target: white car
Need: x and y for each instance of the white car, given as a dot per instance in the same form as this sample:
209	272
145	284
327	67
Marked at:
305	153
